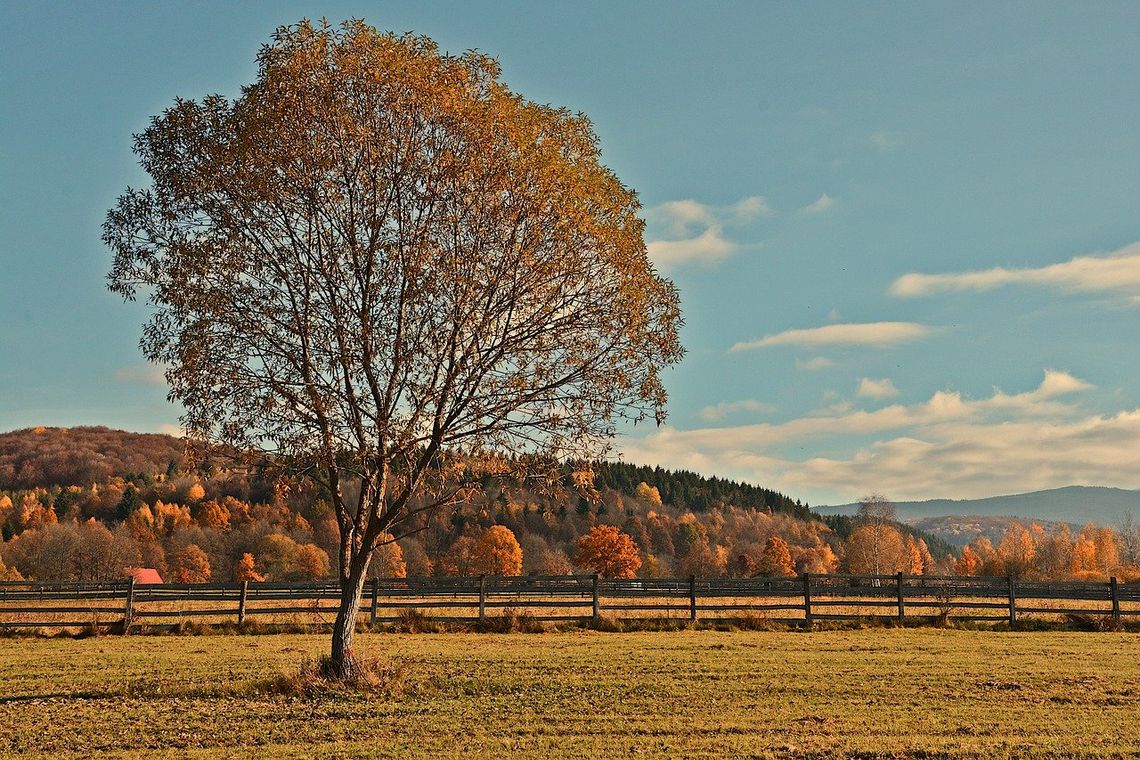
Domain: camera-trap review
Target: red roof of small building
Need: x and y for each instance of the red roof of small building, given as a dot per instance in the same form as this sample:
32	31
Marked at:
144	575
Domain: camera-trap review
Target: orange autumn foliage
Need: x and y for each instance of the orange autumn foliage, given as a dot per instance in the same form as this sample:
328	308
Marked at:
776	558
191	565
214	515
246	570
497	552
608	552
969	563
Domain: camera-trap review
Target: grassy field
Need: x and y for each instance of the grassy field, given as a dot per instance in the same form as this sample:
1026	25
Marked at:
869	693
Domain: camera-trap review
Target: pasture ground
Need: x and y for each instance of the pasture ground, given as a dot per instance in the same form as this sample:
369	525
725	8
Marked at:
870	693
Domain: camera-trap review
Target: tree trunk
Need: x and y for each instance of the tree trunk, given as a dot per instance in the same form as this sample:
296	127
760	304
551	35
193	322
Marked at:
344	628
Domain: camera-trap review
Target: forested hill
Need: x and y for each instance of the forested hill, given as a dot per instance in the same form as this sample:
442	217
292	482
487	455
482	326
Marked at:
689	490
44	457
81	456
132	500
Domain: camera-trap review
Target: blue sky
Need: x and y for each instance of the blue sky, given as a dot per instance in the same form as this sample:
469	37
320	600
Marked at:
905	234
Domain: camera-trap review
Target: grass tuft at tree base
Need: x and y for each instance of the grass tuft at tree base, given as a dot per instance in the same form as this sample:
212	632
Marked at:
318	679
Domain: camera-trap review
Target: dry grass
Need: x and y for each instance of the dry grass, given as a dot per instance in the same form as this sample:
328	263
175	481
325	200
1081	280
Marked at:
317	679
881	692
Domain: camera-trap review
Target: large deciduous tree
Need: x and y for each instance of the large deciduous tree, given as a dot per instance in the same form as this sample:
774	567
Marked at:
383	267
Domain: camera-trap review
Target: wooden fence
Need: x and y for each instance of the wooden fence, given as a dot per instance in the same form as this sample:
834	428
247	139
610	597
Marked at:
801	600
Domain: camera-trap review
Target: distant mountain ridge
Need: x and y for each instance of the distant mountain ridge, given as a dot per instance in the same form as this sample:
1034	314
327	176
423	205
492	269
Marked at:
1071	504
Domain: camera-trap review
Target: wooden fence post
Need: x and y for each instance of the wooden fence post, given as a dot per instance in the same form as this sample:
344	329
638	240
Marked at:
807	600
482	599
1012	601
241	602
129	609
902	603
597	600
1114	591
375	602
692	598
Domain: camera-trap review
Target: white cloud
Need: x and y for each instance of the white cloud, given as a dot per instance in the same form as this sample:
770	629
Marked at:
884	388
147	374
852	334
709	247
949	445
750	208
822	204
694	232
718	412
971	460
814	363
174	430
1117	272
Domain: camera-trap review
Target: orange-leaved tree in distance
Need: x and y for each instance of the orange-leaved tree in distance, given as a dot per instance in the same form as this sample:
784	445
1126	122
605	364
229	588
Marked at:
394	276
776	558
192	565
246	570
608	552
497	552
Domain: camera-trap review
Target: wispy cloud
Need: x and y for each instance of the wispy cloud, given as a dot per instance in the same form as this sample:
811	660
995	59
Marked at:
694	232
1117	272
822	204
949	445
869	388
814	363
718	412
879	334
975	459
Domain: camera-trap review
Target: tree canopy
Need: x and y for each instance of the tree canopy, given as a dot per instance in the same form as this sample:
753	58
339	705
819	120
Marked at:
379	255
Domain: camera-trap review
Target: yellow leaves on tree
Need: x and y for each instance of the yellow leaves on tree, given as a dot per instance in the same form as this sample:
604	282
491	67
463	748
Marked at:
195	493
494	551
1016	550
168	518
283	559
816	559
608	552
214	515
877	549
246	570
969	563
31	513
1055	554
1095	554
497	552
921	560
776	558
191	565
489	270
648	493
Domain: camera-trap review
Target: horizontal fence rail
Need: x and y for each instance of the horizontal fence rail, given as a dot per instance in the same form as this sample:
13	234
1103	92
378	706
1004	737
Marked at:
800	600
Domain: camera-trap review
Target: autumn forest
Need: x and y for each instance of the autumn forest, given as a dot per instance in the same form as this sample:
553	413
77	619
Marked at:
93	503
